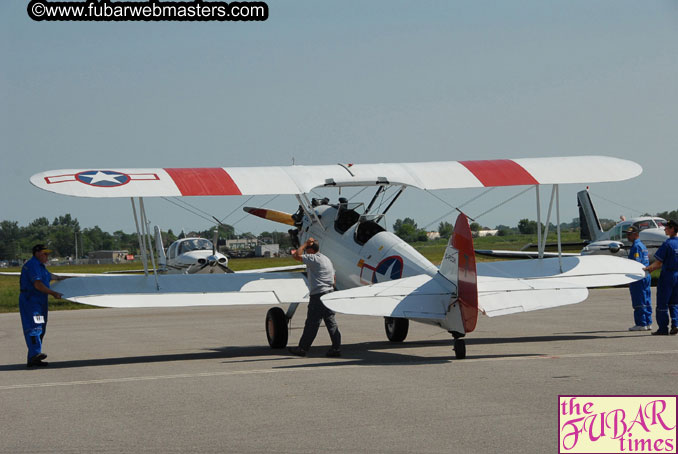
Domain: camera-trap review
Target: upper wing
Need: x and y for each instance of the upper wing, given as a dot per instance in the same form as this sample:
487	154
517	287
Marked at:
171	182
185	289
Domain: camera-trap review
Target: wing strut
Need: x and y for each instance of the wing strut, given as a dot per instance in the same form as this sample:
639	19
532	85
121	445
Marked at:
548	221
540	253
147	239
560	245
402	189
304	203
142	249
144	238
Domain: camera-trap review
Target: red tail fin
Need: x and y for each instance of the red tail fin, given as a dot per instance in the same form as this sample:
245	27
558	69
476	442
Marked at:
467	287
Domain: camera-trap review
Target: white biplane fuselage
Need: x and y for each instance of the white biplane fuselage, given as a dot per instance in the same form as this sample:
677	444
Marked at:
364	253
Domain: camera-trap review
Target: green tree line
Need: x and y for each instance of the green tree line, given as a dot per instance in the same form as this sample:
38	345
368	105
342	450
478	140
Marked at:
408	230
65	237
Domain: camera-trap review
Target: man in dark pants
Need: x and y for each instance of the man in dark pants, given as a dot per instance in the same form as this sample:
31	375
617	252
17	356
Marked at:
320	282
34	288
666	258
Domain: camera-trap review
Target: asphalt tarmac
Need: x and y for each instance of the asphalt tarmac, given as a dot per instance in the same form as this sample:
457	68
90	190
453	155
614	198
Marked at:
204	380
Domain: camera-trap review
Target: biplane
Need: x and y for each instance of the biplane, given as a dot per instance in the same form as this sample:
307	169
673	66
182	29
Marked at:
377	273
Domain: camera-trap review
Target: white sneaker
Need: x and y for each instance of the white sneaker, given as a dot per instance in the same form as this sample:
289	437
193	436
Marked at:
637	328
648	328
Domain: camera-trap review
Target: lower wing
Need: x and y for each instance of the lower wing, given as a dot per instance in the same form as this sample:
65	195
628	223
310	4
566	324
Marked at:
498	253
185	289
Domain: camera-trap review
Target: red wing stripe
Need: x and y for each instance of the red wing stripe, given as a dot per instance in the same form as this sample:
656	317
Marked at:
500	172
204	181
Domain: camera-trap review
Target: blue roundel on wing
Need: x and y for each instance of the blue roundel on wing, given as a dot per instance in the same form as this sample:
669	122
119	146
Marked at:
389	269
102	178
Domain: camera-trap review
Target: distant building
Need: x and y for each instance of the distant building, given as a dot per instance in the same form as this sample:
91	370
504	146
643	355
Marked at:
267	250
432	235
241	243
482	233
107	256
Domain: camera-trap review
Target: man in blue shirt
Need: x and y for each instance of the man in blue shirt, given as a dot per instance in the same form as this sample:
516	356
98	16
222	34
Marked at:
34	288
666	257
641	294
320	281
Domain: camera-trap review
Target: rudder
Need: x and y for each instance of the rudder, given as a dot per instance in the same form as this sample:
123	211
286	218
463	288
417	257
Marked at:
459	267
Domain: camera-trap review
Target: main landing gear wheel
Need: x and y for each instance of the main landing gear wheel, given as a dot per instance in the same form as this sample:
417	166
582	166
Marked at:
276	327
396	328
459	348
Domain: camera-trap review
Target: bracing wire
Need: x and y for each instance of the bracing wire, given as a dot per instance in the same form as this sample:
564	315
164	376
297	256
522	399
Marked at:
457	208
504	202
260	206
173	202
633	210
236	209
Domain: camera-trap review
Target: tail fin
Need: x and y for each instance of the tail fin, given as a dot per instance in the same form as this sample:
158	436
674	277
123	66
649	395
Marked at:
590	227
459	267
162	259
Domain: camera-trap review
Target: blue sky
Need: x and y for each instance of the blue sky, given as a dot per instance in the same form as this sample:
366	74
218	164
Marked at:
349	81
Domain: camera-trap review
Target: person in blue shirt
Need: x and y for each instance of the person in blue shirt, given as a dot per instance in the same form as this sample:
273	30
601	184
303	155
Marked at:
641	294
321	281
666	258
34	290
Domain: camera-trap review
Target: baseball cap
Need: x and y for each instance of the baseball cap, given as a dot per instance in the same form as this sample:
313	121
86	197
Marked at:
41	247
673	224
631	229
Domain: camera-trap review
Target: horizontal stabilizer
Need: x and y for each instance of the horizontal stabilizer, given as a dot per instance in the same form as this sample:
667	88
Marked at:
526	285
577	272
411	297
497	303
178	290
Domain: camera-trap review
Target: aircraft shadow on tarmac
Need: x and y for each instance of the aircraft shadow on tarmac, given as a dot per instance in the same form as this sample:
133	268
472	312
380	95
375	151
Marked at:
370	354
362	353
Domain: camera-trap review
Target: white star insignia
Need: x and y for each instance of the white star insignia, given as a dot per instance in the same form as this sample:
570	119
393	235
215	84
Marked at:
101	176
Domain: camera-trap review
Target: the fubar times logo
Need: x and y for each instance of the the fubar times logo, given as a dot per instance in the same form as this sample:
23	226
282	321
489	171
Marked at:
617	424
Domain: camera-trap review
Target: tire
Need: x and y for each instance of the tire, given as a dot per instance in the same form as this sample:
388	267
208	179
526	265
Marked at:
276	328
460	348
396	328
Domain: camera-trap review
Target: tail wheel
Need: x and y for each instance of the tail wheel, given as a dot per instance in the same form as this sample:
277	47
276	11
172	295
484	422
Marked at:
276	328
459	348
396	328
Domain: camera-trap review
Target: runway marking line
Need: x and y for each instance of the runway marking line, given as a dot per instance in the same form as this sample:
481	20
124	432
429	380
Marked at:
316	368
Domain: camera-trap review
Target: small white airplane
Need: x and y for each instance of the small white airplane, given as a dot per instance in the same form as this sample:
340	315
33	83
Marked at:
614	241
190	256
377	273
